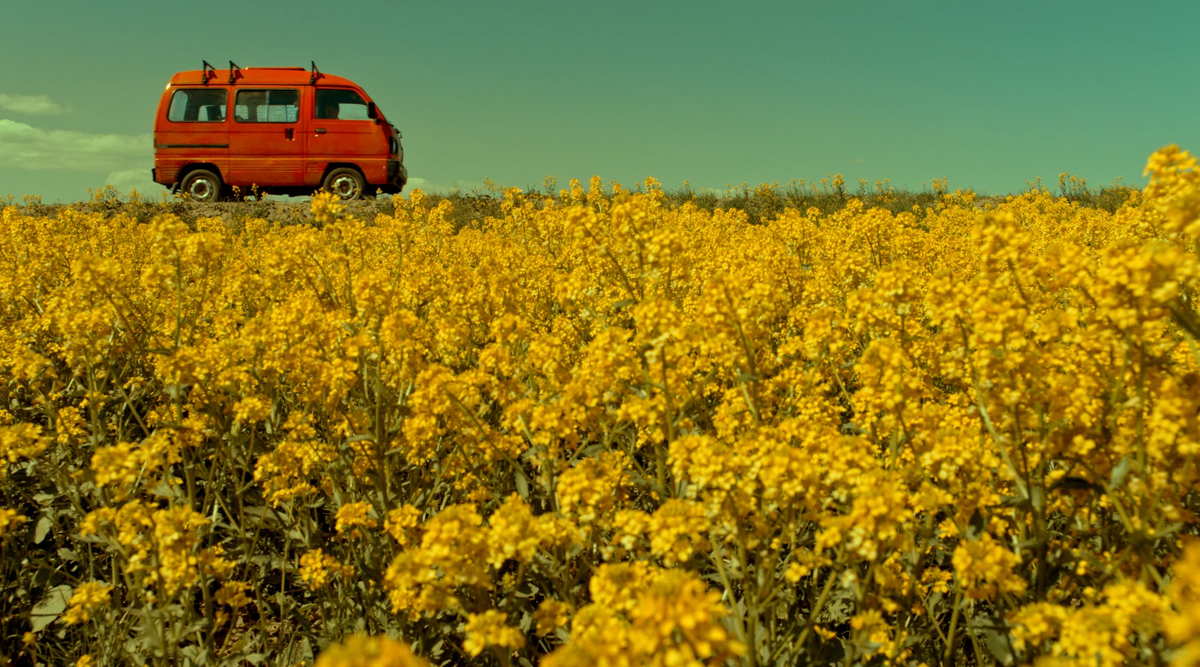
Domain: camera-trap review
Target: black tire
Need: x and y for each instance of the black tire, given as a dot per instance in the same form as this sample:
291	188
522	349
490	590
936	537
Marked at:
345	182
202	186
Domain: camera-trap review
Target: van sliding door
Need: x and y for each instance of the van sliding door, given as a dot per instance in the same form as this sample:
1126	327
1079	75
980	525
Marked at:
266	145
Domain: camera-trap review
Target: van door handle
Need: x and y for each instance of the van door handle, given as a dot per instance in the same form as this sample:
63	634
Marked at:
289	133
320	130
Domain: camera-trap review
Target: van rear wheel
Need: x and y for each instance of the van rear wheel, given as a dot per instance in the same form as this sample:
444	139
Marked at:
346	183
203	186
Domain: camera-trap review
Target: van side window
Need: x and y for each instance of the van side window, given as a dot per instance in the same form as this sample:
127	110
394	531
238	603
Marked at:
202	105
267	106
340	104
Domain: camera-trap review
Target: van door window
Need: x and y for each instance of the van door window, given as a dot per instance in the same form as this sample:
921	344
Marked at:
203	105
267	106
340	104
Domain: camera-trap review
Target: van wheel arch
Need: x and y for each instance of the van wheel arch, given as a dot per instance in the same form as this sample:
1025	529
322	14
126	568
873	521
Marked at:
335	166
342	165
193	166
203	186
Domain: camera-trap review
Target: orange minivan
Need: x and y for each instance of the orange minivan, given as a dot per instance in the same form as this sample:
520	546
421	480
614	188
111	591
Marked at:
280	130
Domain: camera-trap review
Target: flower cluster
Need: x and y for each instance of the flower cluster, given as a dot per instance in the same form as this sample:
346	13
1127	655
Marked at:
602	428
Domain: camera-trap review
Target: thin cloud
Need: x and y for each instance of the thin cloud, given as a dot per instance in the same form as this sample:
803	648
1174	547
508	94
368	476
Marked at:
415	183
40	105
26	147
138	179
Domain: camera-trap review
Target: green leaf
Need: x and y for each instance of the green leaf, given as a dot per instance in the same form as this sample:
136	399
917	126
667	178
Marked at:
239	645
998	646
522	484
42	529
45	612
197	655
1119	473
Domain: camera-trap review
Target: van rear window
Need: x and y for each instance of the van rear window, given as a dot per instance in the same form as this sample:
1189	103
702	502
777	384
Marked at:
267	106
199	105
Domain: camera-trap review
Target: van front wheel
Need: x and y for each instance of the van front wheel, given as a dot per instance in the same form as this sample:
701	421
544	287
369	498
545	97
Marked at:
346	183
203	186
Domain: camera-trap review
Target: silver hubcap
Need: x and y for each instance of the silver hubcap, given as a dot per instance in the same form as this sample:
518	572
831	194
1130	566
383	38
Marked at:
345	187
201	189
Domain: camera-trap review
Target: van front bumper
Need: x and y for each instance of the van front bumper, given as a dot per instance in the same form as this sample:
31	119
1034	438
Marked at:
397	176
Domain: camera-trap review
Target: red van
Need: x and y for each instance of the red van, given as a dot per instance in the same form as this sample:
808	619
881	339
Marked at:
284	130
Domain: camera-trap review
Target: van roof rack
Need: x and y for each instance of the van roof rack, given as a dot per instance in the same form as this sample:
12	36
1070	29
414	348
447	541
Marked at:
209	72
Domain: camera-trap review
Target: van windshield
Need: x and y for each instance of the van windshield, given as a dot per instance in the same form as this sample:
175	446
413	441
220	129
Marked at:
200	105
340	104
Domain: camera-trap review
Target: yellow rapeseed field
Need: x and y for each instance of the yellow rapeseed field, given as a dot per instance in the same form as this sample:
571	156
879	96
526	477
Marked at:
605	430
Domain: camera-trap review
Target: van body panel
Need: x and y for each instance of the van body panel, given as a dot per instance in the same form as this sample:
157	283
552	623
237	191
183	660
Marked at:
341	133
349	138
276	139
182	142
266	151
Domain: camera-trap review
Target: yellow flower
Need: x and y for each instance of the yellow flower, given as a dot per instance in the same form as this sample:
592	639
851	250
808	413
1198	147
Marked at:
360	651
233	594
317	567
985	569
87	598
490	629
251	409
352	516
119	465
326	207
677	530
401	524
551	615
19	442
666	617
1182	623
9	520
590	490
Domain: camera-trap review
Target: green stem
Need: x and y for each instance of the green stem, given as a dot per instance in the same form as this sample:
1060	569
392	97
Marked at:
948	656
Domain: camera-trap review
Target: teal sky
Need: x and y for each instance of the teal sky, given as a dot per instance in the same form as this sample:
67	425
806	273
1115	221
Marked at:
989	94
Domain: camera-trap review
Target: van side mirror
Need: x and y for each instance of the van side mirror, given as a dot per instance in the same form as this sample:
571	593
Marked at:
372	112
